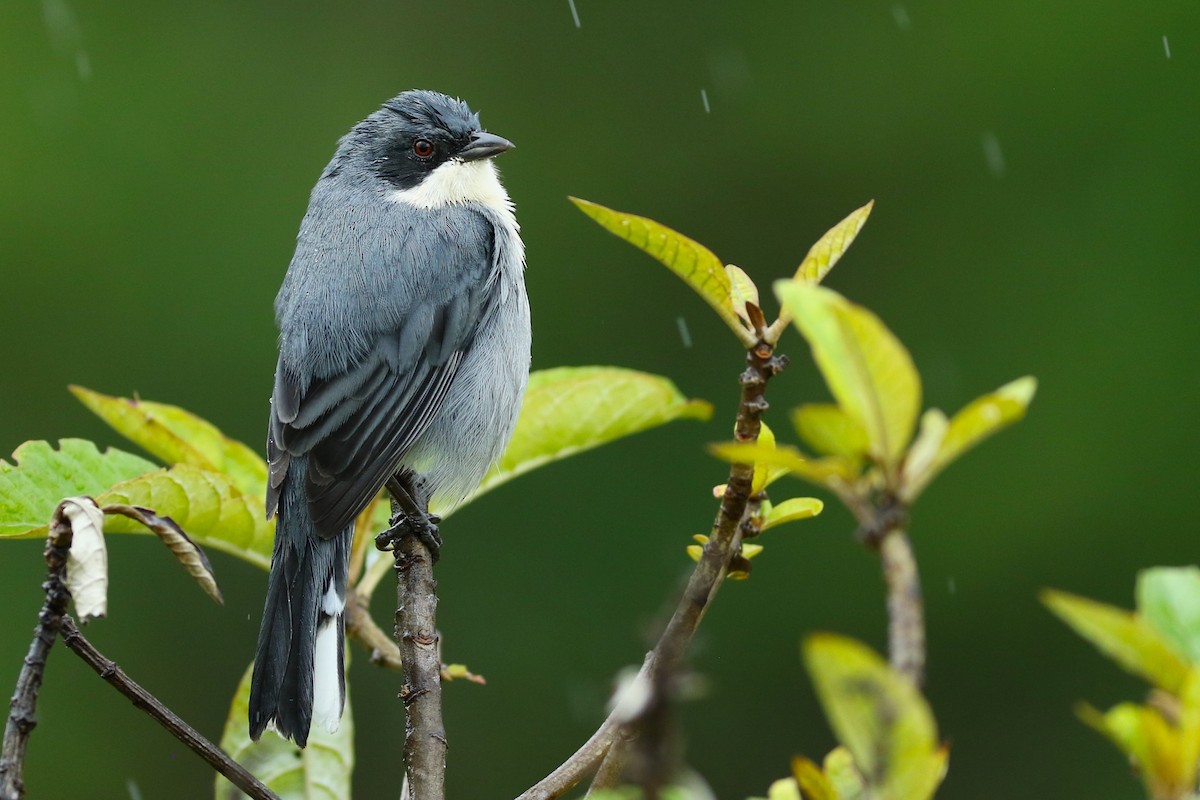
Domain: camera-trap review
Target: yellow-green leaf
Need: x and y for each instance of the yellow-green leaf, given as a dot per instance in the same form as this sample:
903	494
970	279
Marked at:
827	471
868	371
692	261
833	245
821	258
1169	599
879	716
568	410
40	477
321	771
797	508
813	783
206	505
984	416
178	436
921	459
1154	745
830	430
844	775
784	789
1122	636
742	290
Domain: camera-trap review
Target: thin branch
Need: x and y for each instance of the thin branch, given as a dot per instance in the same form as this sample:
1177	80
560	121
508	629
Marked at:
238	775
906	613
702	585
884	527
22	716
360	626
416	633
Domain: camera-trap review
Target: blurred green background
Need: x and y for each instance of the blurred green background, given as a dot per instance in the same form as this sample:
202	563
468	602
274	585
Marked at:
1034	166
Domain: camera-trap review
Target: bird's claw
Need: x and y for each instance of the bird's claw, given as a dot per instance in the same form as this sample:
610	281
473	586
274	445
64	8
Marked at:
424	528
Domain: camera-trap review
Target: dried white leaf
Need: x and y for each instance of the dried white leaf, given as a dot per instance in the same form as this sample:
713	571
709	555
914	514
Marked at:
87	562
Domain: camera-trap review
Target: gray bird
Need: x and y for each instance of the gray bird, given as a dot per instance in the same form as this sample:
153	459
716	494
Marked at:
403	357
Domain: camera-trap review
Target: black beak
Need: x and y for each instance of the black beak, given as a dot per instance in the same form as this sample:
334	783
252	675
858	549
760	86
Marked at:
484	145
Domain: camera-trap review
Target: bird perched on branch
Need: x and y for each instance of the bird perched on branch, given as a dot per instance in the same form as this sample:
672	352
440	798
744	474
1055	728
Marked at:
403	357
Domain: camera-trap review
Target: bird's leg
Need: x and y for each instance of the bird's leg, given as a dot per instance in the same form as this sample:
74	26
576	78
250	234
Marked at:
410	515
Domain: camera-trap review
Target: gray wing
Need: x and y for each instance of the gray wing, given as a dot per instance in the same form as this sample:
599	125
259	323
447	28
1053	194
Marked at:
356	422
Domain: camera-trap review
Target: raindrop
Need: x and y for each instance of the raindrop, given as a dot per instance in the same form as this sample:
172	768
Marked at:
993	154
1166	46
684	334
704	99
135	792
574	12
900	14
951	586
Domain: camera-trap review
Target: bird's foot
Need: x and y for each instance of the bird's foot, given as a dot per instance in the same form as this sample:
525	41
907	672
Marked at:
424	526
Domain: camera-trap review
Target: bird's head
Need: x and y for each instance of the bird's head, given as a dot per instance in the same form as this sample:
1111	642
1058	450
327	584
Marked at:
428	148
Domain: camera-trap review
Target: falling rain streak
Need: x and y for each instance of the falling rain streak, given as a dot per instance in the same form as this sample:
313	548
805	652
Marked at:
900	14
704	99
574	12
684	333
993	154
1166	47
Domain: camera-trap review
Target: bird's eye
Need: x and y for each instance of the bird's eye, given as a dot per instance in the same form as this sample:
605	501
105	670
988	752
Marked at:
423	148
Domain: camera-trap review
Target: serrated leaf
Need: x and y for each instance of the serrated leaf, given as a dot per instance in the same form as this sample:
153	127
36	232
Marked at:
87	560
320	771
189	554
1168	598
1122	636
205	504
178	436
568	410
40	477
879	716
797	508
830	430
984	416
693	262
868	371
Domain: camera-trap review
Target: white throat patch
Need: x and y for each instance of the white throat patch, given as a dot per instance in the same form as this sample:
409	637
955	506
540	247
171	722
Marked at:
457	182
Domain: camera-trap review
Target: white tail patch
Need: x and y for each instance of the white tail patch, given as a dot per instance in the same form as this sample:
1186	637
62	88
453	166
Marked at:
331	604
327	687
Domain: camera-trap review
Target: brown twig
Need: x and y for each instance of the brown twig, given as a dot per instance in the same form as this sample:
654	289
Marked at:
702	585
238	775
360	626
54	621
416	634
22	709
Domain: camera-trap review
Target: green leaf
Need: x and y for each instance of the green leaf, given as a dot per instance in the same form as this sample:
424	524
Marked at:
1169	599
321	771
1122	636
844	775
693	262
784	789
205	504
984	416
830	430
742	290
40	477
178	436
868	371
879	716
765	473
821	258
829	471
568	410
812	782
797	508
920	462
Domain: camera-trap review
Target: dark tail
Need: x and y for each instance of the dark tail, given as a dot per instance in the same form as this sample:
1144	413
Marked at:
299	665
